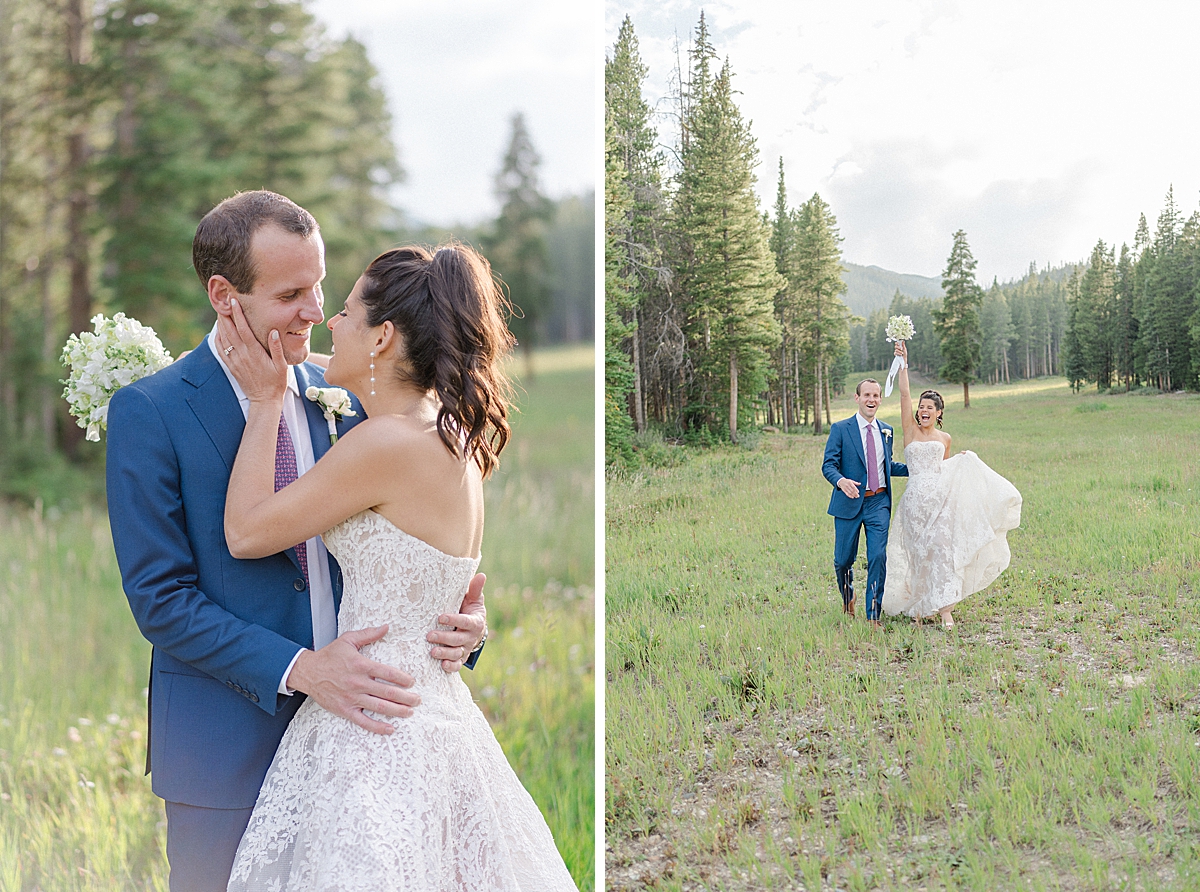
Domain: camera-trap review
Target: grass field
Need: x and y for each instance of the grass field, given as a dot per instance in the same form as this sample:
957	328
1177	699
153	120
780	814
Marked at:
757	739
76	811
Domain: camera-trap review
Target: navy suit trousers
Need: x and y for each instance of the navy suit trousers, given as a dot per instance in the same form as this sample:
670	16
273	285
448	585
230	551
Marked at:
201	845
875	517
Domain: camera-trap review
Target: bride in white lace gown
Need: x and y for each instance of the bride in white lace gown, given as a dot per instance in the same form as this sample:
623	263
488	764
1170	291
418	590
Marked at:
433	804
947	537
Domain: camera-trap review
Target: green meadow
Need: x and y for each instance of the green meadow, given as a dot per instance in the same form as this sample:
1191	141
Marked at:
758	739
76	811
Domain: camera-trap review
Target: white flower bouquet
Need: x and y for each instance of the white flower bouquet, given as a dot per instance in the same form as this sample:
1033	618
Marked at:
335	404
121	351
899	328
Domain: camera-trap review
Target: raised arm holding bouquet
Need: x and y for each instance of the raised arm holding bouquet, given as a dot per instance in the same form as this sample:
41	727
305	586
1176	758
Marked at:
899	329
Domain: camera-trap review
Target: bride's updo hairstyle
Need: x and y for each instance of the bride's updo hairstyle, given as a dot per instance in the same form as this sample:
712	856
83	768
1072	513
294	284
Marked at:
447	308
936	398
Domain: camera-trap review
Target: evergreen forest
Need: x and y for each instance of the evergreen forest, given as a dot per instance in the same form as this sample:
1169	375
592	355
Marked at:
722	317
122	122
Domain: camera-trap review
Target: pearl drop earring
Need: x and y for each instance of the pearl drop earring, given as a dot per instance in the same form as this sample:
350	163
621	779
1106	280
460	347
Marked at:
372	373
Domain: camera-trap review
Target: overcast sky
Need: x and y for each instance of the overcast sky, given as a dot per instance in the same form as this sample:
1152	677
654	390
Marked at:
454	75
1037	127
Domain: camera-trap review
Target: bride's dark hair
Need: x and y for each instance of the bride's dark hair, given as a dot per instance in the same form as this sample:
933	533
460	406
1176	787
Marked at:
448	308
934	397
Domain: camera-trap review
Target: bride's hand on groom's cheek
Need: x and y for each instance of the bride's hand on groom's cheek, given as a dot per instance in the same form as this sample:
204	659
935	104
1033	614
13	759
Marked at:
261	374
452	646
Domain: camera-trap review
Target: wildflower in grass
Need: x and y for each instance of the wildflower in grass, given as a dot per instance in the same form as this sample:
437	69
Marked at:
119	352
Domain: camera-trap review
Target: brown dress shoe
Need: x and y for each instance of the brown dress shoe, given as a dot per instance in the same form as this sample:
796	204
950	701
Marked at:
848	607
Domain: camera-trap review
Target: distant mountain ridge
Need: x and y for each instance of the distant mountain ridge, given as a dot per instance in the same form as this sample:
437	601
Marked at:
870	288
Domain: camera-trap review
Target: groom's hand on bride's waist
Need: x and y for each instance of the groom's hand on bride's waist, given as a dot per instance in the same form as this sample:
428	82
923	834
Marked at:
468	629
345	682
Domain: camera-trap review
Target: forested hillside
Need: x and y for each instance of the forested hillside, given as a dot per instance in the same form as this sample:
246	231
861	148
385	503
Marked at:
870	288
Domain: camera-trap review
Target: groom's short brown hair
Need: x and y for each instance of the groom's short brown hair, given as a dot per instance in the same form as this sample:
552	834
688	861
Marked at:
858	386
221	246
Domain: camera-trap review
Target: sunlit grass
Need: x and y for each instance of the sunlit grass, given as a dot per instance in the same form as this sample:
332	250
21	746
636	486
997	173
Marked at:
76	810
755	739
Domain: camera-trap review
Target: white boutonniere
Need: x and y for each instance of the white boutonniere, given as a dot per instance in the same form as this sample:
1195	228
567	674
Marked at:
335	405
886	431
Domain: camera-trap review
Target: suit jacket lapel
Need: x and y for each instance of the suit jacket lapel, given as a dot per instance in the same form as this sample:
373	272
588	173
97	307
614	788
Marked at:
218	411
318	433
318	427
887	454
856	437
213	402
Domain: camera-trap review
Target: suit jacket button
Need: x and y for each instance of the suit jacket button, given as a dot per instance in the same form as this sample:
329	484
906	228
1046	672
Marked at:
253	698
298	585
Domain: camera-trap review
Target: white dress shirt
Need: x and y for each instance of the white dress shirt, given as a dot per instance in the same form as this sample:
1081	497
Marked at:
320	588
878	435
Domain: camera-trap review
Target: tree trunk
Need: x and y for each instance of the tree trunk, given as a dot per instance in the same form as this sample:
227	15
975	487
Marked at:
783	384
46	402
639	400
966	396
828	419
79	301
817	400
733	397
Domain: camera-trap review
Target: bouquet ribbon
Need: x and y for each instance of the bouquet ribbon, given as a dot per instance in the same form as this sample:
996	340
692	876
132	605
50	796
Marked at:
897	364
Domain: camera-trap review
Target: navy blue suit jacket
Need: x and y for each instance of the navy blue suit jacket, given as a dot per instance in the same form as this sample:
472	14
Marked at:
224	630
844	457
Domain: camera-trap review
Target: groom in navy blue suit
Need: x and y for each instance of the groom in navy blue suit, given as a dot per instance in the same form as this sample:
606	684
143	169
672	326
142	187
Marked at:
238	643
858	462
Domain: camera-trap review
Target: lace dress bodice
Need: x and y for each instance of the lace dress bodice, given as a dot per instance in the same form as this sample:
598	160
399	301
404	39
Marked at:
394	578
924	460
432	806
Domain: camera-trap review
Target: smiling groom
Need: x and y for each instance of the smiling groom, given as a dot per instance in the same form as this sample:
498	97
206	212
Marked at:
858	463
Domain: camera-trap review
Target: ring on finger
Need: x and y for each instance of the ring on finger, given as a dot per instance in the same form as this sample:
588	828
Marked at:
229	349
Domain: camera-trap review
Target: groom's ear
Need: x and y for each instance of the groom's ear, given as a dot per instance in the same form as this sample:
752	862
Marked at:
220	292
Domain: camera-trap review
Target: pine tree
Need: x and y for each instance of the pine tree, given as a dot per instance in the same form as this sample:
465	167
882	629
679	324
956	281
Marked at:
957	320
823	319
618	299
1095	309
1075	366
640	227
517	247
996	330
727	272
1168	299
783	246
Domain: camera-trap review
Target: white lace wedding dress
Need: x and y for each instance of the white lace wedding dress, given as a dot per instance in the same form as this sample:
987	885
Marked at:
434	806
948	532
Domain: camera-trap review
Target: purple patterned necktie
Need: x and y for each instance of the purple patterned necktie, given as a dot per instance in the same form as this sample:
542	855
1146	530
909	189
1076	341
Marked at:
872	461
285	473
